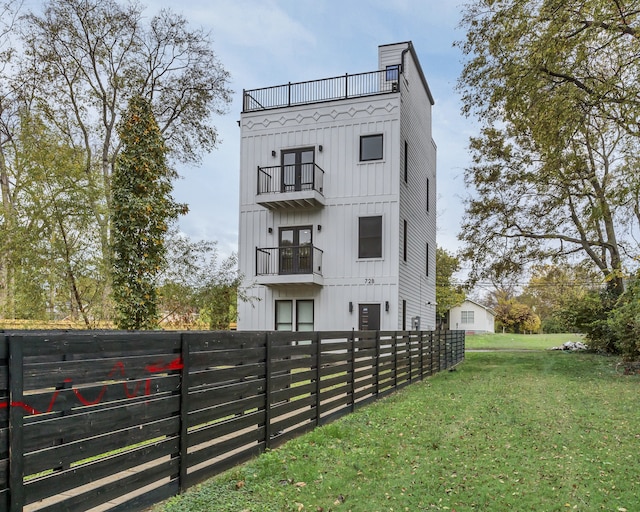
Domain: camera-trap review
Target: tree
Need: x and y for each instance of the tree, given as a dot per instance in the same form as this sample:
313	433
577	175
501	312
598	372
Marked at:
142	211
514	316
8	13
624	321
82	62
448	294
553	286
555	85
196	287
590	315
46	240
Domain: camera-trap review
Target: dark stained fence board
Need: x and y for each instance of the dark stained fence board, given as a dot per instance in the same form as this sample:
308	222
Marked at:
211	397
117	488
221	358
226	445
52	402
16	420
79	343
4	499
222	340
89	424
93	406
90	371
233	460
237	407
223	428
61	481
288	422
144	501
69	453
216	376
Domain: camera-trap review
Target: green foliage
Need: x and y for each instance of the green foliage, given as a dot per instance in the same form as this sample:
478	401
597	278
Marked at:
554	324
69	67
142	211
589	315
448	294
624	321
196	288
516	317
46	245
553	285
555	87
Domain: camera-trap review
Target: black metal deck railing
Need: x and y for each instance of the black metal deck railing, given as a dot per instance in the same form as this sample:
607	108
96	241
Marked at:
290	178
288	260
316	91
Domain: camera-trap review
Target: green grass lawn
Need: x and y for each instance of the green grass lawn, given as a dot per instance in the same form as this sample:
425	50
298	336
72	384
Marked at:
501	341
535	430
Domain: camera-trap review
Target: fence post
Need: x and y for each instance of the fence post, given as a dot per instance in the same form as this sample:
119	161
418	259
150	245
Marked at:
353	371
421	349
395	360
318	377
16	423
346	85
377	364
408	348
184	412
267	391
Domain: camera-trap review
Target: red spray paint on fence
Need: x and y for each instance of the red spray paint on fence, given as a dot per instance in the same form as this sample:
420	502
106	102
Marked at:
118	369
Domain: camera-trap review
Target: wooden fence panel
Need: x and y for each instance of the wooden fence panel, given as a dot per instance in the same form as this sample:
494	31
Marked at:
119	420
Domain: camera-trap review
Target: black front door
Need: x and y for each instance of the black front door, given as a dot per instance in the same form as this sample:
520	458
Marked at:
297	170
369	317
296	250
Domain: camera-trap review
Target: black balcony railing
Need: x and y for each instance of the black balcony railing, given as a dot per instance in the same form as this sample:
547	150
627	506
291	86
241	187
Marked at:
288	260
316	91
290	178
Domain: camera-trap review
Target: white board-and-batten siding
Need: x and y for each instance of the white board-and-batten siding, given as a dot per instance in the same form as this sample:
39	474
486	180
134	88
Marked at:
351	189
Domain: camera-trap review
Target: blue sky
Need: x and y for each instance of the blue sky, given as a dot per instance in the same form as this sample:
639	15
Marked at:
269	42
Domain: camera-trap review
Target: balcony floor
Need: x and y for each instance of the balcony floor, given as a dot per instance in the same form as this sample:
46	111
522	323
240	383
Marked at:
291	279
298	199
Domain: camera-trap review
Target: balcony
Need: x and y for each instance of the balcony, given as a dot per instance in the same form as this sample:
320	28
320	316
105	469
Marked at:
317	91
290	186
299	264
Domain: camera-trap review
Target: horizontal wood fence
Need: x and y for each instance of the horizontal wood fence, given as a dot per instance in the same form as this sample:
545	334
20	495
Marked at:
113	420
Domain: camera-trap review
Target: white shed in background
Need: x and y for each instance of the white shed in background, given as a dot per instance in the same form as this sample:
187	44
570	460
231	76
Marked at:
472	318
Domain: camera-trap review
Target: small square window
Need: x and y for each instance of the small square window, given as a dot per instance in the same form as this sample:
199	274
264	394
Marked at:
371	147
393	72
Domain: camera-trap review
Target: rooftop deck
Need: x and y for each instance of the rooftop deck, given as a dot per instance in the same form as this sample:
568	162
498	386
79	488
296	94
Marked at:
317	91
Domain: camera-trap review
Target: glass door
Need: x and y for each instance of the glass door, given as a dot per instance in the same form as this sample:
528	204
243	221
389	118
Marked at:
297	170
296	250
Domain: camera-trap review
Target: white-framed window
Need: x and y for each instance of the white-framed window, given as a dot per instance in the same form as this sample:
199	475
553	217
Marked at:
466	317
